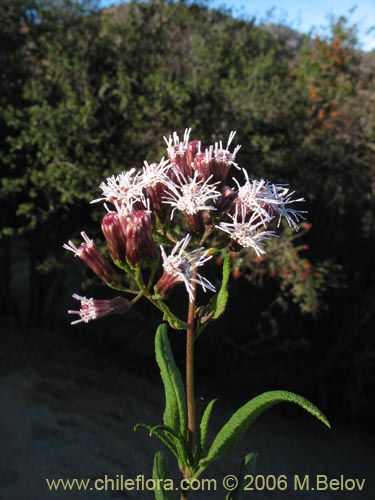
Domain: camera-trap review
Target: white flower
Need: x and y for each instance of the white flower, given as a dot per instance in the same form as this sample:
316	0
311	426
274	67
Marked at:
247	233
78	251
282	197
221	154
93	308
154	173
190	195
256	196
125	187
181	266
175	146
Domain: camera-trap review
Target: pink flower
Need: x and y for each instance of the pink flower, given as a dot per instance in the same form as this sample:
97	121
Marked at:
89	253
93	308
180	267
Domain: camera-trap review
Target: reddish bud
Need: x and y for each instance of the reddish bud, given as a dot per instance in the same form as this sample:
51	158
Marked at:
203	164
93	308
114	236
219	261
273	273
193	149
179	157
89	253
138	234
307	266
155	194
221	165
195	222
166	283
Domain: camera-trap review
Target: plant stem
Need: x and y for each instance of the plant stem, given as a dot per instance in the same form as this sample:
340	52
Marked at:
190	397
190	373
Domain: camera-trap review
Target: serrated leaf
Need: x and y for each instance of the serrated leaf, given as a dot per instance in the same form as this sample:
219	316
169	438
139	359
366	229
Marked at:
247	468
230	434
160	473
175	399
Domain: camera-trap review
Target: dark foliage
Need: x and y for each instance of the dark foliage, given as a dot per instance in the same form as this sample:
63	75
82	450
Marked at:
86	93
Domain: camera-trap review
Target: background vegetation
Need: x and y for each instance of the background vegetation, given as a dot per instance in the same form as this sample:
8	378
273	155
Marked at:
86	93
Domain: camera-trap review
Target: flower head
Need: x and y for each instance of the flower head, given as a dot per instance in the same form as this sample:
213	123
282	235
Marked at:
180	267
244	230
216	161
89	253
223	159
124	188
154	173
282	199
255	196
154	179
181	152
93	308
191	195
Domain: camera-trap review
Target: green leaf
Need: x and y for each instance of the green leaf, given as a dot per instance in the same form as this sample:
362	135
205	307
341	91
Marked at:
175	399
230	434
247	468
218	302
163	436
203	428
164	489
222	297
173	321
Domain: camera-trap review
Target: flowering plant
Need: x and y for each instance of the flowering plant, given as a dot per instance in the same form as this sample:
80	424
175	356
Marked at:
185	206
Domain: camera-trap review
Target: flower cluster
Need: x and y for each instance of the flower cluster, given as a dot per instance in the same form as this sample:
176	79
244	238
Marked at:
186	200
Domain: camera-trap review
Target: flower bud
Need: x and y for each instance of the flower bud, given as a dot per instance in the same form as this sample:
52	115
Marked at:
93	308
221	164
166	283
195	222
89	253
138	234
114	236
203	164
155	194
193	148
178	156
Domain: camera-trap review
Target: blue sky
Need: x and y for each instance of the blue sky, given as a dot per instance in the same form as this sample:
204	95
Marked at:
302	15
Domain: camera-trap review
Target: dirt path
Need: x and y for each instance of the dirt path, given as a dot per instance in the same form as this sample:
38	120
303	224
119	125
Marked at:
67	413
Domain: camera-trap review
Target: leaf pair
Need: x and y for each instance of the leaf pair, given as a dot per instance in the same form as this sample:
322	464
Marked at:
174	432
